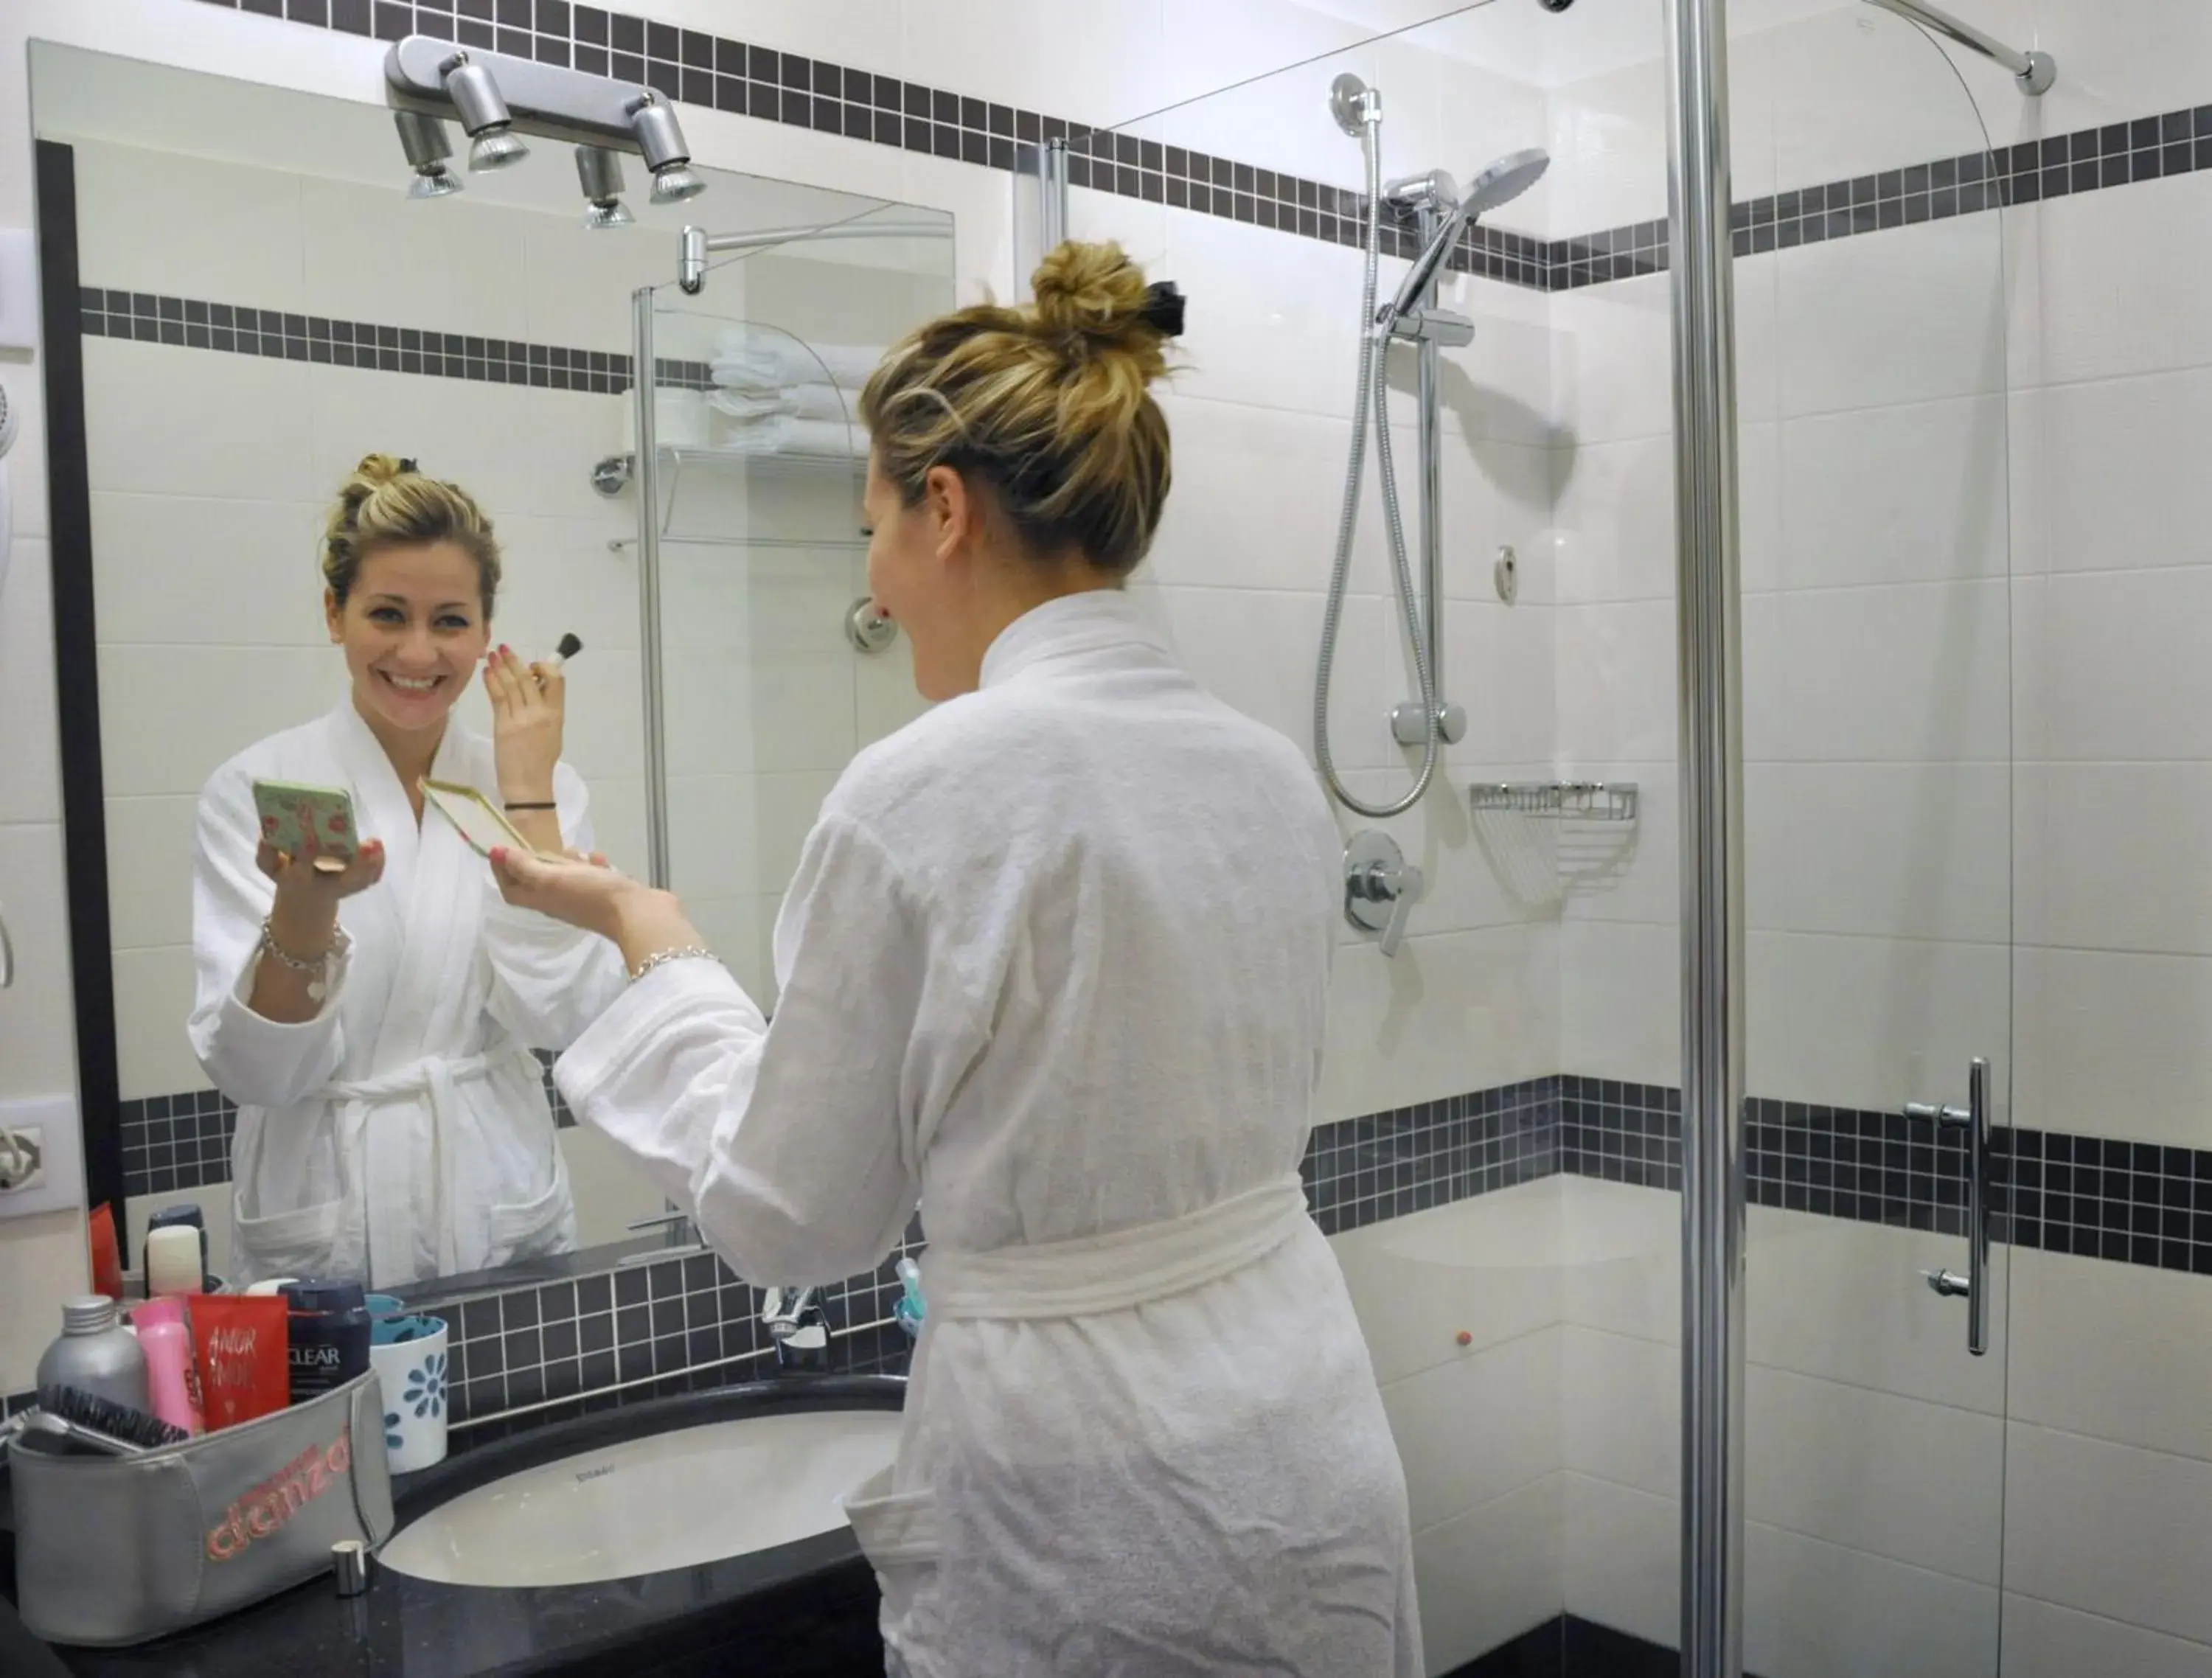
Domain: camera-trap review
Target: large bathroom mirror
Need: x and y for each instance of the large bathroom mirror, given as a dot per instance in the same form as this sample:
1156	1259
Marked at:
271	289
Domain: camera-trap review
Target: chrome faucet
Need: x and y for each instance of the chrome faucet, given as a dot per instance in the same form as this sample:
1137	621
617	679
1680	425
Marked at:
798	1328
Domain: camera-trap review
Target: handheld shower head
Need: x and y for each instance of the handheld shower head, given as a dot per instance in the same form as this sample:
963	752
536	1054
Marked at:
1506	179
1501	183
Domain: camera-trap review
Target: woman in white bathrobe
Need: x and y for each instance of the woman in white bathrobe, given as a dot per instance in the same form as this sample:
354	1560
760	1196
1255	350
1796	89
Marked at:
375	1026
1055	966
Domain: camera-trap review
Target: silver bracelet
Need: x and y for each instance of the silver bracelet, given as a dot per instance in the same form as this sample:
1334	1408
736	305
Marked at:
662	958
341	941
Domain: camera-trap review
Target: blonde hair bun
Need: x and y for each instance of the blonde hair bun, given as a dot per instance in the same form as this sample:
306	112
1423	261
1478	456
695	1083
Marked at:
1046	402
1094	292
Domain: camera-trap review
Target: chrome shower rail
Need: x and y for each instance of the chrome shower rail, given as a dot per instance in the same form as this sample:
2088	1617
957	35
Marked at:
2034	71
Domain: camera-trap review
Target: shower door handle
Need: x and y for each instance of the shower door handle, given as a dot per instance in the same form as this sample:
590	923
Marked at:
1974	1120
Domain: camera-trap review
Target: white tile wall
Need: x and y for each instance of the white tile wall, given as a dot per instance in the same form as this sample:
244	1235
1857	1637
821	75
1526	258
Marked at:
1873	1466
1487	1576
1621	1550
1832	1612
2108	1528
1478	1425
2043	1640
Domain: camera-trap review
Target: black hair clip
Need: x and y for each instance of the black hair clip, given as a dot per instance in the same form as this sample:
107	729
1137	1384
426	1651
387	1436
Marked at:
1162	309
407	463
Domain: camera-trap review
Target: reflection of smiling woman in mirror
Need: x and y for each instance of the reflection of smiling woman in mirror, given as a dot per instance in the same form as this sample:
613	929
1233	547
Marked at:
374	1024
1056	965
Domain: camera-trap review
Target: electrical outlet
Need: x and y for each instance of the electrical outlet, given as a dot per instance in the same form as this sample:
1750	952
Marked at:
60	1184
22	1158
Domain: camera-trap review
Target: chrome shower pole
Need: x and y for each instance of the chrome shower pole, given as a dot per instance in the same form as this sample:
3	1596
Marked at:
648	479
1710	670
1430	394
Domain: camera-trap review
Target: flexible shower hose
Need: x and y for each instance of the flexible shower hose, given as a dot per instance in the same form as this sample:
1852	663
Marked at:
1374	391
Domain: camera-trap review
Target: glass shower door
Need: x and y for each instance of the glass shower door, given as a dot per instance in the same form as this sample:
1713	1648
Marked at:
768	673
1878	818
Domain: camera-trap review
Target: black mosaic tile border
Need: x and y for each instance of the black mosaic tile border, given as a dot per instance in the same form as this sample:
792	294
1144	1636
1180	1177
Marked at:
533	1355
526	1356
1834	1162
2131	1202
1359	1171
240	329
176	1142
699	69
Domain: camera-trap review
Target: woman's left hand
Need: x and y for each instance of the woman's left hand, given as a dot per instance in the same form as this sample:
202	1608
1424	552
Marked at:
527	711
584	891
581	891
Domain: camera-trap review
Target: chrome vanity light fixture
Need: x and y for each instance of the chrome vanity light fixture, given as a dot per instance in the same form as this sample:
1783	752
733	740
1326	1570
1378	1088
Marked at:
494	143
660	138
492	93
423	139
599	171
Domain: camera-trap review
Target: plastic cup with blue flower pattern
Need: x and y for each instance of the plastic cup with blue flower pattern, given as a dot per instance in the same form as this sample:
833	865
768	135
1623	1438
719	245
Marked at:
409	1356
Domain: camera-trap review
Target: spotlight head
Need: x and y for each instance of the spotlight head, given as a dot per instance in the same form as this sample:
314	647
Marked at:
660	137
599	171
496	150
423	139
675	184
484	113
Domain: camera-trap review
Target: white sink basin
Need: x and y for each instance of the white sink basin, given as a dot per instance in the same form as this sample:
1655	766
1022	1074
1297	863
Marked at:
675	1499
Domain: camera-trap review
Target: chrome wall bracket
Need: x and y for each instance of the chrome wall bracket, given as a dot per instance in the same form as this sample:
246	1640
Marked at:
1409	727
2036	73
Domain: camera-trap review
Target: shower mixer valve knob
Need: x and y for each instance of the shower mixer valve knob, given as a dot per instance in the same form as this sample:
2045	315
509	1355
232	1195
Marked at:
1381	887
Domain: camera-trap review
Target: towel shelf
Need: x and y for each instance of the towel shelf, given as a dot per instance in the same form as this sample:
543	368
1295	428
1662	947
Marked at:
613	475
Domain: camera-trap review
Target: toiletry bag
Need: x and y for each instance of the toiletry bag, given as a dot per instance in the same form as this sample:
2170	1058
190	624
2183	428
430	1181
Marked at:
115	1550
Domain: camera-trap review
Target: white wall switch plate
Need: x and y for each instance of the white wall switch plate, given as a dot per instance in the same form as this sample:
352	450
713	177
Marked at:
60	1184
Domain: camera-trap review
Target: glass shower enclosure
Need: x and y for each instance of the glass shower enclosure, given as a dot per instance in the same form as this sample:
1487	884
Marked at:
765	669
1564	1239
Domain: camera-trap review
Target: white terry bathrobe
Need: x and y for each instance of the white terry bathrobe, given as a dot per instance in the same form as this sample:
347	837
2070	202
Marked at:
404	1132
1056	964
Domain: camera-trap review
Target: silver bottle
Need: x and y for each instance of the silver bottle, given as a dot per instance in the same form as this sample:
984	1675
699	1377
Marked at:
96	1354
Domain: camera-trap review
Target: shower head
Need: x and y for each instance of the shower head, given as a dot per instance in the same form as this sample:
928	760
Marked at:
1506	179
1501	183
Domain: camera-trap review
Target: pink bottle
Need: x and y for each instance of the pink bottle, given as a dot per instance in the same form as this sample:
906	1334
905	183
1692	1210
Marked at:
170	1372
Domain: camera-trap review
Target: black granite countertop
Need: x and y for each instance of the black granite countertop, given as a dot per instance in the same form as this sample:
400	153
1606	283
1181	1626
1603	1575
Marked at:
807	1609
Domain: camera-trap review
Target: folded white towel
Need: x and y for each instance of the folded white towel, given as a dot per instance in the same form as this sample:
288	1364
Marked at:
784	433
762	359
822	401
